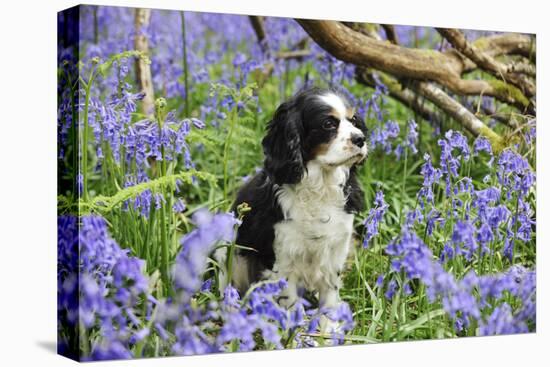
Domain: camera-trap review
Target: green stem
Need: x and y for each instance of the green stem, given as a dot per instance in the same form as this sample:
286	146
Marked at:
148	235
480	260
226	152
84	161
74	141
515	228
403	184
229	262
185	69
160	104
164	246
84	340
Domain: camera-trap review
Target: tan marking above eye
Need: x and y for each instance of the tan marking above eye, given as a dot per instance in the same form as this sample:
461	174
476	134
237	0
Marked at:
350	112
335	114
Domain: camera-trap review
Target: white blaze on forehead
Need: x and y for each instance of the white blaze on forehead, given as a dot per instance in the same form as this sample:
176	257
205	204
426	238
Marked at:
336	103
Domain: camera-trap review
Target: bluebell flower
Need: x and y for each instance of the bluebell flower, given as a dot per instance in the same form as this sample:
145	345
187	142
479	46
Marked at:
448	252
433	218
110	284
485	235
380	280
377	99
237	325
109	351
464	234
514	173
391	289
179	206
482	144
343	316
431	177
80	183
530	134
140	335
383	135
190	340
198	123
231	298
501	322
239	59
412	136
459	296
206	286
449	162
196	246
412	217
374	218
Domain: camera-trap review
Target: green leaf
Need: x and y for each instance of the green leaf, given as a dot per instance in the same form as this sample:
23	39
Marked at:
107	203
408	328
106	65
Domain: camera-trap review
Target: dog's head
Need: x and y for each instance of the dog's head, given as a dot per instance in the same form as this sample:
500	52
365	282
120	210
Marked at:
314	125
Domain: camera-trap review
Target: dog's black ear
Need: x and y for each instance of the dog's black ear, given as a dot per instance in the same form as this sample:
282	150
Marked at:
283	145
361	124
355	202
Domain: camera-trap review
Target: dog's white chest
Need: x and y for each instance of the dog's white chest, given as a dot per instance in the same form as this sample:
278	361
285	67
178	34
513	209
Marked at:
312	243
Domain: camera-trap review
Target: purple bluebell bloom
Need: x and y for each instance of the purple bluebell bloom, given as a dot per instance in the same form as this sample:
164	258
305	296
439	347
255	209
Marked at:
192	260
374	218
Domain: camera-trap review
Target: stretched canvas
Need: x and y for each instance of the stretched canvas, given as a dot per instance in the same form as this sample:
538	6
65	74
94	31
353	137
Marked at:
247	183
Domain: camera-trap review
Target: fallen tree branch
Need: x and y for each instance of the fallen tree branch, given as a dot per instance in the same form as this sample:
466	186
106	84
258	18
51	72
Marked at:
368	29
296	54
414	101
507	44
419	90
523	68
458	112
396	91
486	62
444	68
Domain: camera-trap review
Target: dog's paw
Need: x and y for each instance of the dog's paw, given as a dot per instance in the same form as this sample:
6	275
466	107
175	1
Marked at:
331	331
307	341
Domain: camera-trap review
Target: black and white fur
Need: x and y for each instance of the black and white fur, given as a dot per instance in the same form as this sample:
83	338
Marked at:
303	200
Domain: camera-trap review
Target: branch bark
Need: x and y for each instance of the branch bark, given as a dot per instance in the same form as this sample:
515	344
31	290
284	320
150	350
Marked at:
522	68
296	54
397	91
485	61
416	102
458	112
143	70
443	68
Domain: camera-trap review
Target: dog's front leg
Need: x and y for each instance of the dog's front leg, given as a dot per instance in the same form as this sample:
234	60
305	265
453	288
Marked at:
289	295
329	299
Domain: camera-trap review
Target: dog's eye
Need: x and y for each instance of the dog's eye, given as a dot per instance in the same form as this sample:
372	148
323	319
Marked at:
355	120
330	124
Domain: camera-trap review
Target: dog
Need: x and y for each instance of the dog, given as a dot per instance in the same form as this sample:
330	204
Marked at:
302	202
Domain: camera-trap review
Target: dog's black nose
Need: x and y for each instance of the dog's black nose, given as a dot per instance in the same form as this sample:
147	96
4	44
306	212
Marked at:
358	139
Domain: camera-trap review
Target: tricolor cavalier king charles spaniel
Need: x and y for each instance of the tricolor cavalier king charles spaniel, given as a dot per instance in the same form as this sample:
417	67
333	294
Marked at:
303	201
